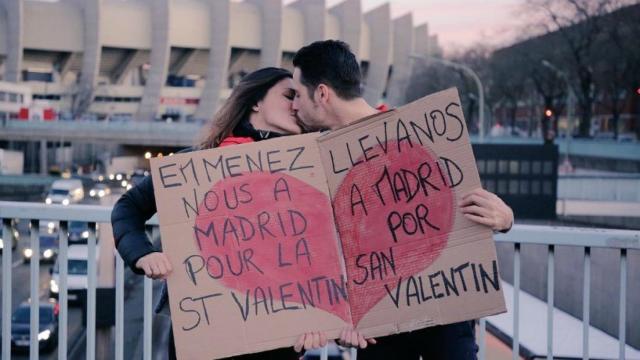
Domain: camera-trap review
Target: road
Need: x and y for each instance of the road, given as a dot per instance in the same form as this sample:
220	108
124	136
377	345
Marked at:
133	313
21	290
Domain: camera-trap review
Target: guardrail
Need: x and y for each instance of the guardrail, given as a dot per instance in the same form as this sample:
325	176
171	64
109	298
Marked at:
623	240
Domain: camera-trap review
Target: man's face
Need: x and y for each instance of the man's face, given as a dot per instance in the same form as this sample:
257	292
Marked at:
308	110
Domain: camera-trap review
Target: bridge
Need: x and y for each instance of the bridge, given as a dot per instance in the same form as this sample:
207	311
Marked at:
122	133
183	135
534	326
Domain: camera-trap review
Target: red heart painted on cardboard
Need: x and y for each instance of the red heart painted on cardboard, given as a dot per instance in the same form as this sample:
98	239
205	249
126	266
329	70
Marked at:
376	217
265	237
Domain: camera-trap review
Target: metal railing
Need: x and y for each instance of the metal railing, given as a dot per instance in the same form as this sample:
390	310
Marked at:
622	240
132	133
35	212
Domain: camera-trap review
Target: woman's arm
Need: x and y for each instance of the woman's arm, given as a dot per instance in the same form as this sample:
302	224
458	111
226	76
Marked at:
128	219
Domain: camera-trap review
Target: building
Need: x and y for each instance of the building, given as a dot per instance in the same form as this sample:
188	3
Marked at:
145	60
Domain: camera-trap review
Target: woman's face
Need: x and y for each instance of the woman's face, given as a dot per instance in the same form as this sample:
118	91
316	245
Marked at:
275	112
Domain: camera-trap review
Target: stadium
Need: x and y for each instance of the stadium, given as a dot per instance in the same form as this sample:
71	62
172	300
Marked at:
142	60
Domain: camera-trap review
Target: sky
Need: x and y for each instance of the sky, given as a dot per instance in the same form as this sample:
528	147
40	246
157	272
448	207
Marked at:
459	24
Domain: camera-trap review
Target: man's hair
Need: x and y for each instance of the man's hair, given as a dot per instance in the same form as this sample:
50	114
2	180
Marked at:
332	63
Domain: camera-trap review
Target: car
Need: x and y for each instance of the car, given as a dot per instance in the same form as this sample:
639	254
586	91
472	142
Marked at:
14	236
49	237
118	176
100	190
77	267
78	232
137	176
65	192
48	329
119	179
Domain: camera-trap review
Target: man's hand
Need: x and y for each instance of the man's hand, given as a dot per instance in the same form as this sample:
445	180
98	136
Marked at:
311	340
156	265
353	338
488	209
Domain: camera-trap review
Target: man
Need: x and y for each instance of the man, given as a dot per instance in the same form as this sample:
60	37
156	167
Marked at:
327	81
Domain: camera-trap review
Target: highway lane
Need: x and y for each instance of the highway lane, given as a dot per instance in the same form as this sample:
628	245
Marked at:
21	289
21	292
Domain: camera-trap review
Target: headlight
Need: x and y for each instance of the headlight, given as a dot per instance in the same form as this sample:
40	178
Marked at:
92	193
129	186
124	183
47	254
65	202
27	253
85	234
44	335
16	234
100	178
101	193
111	177
53	285
51	225
47	201
119	177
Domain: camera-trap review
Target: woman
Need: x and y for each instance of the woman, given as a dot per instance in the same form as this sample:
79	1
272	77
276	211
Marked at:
259	108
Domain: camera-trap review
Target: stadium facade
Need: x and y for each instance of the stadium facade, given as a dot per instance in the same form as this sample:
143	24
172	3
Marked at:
145	60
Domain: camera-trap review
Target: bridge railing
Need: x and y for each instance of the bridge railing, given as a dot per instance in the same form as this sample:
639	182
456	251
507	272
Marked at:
551	237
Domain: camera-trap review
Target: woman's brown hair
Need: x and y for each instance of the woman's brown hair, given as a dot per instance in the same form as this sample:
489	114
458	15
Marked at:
238	107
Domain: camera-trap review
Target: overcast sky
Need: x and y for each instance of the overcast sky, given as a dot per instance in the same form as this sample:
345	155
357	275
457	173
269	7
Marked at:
458	23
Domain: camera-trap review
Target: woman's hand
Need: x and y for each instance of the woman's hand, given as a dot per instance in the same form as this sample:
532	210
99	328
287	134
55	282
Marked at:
155	265
488	209
311	340
353	338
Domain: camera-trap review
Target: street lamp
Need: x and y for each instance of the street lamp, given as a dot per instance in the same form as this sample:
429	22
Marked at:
475	78
570	107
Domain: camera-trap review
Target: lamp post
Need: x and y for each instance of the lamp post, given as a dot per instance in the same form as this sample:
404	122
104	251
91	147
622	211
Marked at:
570	109
475	78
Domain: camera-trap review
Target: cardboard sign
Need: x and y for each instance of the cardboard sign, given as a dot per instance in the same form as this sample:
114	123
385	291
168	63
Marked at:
249	231
413	260
251	235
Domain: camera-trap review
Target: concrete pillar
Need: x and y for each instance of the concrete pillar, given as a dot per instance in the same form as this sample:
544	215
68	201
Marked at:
14	10
379	22
314	14
271	45
43	157
65	63
90	56
434	46
421	40
402	50
131	61
349	13
160	53
182	60
219	52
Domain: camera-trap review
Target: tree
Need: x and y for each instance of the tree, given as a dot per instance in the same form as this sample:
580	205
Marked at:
431	76
578	25
508	85
617	69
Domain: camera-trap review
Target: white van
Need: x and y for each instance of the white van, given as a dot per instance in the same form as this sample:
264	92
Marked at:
65	192
77	279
